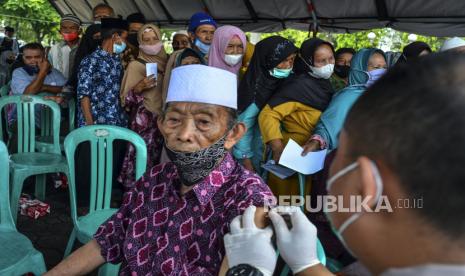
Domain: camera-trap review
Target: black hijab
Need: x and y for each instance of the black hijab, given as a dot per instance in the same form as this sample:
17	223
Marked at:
86	46
257	85
413	50
302	87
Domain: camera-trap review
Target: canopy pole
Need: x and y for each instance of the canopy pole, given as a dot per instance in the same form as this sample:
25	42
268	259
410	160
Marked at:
313	27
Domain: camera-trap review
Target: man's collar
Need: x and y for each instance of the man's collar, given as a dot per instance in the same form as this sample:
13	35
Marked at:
207	188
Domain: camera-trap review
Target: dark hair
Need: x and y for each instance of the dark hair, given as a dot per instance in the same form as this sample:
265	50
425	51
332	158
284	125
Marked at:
108	33
102	5
136	18
232	118
412	120
342	51
33	46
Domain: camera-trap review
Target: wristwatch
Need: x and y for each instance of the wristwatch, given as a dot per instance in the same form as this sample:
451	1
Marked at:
243	270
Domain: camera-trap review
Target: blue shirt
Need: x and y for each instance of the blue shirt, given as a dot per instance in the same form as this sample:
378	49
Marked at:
99	78
21	79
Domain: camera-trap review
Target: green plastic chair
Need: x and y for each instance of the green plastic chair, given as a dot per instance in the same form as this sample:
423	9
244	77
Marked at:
101	138
44	142
5	89
27	162
17	255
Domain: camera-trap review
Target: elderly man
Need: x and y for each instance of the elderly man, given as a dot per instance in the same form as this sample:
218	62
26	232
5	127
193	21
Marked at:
181	41
201	29
100	11
173	221
61	55
389	156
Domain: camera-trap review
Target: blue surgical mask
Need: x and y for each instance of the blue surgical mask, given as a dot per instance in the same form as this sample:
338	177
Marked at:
280	73
119	48
203	47
354	217
375	75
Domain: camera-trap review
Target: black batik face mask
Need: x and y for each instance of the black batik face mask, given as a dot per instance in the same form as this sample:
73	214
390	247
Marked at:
342	71
193	167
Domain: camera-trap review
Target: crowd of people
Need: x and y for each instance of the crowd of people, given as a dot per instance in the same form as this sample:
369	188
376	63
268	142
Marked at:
218	107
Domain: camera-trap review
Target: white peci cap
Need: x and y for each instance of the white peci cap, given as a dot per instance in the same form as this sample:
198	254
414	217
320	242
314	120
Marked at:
203	84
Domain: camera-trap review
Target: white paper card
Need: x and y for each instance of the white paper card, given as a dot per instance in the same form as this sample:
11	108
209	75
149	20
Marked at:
278	170
151	69
293	159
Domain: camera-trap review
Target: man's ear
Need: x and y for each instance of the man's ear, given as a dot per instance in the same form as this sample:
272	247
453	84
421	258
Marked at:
191	36
234	135
160	125
368	185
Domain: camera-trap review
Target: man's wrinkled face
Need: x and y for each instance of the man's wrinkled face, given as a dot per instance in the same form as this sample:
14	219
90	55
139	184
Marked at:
67	27
134	27
102	12
180	41
189	127
32	57
205	33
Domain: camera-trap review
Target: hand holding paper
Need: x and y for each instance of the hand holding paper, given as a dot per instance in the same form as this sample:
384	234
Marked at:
151	69
293	159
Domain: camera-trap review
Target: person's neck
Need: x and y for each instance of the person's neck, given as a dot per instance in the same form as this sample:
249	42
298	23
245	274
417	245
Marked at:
423	248
108	46
72	43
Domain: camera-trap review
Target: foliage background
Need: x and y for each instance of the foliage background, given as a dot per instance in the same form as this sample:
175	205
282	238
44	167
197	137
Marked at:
37	20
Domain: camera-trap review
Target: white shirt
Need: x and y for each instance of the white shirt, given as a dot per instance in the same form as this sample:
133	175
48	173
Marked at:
59	57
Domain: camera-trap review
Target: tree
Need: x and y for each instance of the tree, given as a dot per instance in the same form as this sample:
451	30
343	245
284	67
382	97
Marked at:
34	20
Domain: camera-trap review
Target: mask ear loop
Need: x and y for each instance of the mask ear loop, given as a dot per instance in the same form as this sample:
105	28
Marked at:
340	173
379	191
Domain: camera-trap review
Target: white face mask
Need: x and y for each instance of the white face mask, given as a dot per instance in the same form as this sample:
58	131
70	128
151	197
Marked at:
354	217
232	60
324	72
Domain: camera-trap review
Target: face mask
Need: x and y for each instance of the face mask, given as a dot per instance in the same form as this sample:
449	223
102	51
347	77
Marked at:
324	72
31	69
342	71
232	60
204	48
195	166
374	75
132	38
354	217
151	50
119	48
280	73
70	36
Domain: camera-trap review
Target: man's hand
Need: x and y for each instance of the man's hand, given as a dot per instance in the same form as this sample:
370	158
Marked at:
145	83
297	246
44	66
57	99
248	244
311	145
277	148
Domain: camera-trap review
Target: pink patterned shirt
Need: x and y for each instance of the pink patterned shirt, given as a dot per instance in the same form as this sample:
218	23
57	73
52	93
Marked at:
159	232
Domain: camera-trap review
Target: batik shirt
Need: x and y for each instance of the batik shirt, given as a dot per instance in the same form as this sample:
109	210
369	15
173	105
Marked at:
99	78
157	231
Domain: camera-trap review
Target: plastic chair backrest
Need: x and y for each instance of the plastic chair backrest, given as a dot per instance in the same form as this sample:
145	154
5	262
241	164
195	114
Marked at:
6	220
101	138
46	117
4	90
25	114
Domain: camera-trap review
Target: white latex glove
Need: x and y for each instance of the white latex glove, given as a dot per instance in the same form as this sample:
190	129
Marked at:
249	244
297	246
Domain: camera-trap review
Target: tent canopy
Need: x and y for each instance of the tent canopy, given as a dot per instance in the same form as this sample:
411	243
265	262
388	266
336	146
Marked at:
432	17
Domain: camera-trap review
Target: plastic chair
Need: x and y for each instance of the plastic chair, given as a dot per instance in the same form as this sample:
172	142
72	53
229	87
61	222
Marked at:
27	162
101	138
17	255
5	89
44	142
3	93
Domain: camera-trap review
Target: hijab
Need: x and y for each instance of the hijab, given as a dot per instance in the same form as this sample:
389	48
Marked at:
302	87
219	44
175	61
136	72
332	120
257	85
414	50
